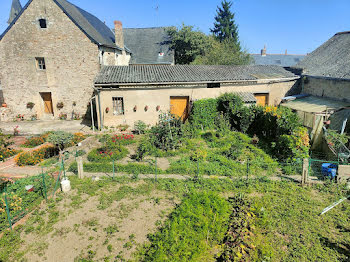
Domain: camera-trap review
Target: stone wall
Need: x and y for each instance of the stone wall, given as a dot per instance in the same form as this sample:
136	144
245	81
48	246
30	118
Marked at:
72	62
156	96
330	88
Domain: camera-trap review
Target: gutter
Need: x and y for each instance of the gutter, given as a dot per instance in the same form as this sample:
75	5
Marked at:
259	81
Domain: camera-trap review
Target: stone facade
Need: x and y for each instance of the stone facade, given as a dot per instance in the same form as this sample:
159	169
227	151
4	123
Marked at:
337	89
160	96
72	61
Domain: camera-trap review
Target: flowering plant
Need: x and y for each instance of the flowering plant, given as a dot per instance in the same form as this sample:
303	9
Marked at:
19	117
62	116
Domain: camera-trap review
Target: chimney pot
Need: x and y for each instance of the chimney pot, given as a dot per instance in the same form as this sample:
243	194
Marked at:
263	51
119	37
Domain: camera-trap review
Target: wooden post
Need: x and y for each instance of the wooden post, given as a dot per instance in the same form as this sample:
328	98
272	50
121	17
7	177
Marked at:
80	167
304	176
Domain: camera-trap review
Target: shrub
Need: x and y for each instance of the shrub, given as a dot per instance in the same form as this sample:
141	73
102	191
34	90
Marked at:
36	156
60	139
140	127
167	134
106	154
77	138
145	148
203	114
235	111
293	147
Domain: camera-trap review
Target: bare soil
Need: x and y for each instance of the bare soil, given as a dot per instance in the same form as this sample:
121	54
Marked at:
81	232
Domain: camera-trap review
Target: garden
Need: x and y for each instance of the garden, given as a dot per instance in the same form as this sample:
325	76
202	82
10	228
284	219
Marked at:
208	189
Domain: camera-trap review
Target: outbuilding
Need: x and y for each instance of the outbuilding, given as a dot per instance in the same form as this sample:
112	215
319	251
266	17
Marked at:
126	94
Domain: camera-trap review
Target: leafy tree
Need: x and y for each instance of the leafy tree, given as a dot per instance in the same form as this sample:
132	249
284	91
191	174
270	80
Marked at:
187	43
226	52
225	26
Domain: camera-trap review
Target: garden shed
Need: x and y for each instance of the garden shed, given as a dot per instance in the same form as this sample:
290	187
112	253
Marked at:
313	112
126	94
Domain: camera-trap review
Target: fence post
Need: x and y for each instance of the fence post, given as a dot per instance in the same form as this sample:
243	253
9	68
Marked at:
64	171
113	170
7	209
57	181
304	176
80	167
44	185
155	166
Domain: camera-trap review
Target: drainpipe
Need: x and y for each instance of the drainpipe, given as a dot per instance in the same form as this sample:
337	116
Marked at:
99	108
302	84
92	113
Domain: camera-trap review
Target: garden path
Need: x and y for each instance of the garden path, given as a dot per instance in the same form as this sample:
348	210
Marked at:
39	127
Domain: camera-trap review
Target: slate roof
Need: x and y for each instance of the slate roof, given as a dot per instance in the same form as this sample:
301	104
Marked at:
187	74
277	59
332	59
147	43
16	8
91	26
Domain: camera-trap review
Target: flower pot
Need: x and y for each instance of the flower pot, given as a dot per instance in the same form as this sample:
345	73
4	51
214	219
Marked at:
4	105
328	122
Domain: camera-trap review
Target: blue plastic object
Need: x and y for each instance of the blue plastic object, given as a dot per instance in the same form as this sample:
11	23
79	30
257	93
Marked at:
329	170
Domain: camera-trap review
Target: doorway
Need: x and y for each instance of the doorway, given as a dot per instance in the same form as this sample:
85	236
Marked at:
48	108
179	106
262	99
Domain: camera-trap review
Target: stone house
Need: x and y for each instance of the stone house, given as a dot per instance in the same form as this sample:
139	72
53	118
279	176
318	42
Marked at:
142	92
150	46
285	60
50	54
326	71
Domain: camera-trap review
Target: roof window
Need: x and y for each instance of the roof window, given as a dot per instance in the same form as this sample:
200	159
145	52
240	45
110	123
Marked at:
42	23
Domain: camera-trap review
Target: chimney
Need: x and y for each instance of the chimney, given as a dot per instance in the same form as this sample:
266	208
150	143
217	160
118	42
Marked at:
286	53
263	51
119	37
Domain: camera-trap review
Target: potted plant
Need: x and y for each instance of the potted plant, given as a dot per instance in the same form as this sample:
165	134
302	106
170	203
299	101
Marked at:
135	108
34	117
158	108
19	117
74	103
62	116
60	105
4	104
15	131
146	108
107	110
30	105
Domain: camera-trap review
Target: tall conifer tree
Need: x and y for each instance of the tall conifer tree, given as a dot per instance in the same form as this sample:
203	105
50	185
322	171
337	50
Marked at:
225	27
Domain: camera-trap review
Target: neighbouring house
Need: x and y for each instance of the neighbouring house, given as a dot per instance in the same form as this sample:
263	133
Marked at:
150	46
284	60
141	92
49	56
326	71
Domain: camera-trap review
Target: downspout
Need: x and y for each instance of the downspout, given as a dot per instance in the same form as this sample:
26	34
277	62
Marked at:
302	84
99	108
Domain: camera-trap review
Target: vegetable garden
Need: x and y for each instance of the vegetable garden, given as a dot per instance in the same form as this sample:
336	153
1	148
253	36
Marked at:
227	206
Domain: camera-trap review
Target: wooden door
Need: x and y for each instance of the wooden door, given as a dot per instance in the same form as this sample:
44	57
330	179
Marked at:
262	99
48	109
179	106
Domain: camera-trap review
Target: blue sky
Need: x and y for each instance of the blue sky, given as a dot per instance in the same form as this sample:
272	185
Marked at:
296	25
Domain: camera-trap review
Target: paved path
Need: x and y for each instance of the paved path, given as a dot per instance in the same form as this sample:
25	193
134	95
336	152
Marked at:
39	127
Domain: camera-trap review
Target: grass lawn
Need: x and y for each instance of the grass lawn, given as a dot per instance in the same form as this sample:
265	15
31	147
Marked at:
172	220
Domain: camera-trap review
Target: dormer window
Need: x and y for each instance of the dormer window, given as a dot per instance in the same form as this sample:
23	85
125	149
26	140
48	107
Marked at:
42	23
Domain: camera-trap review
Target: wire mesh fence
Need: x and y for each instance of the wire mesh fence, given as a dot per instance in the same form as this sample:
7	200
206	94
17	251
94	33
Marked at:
22	196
